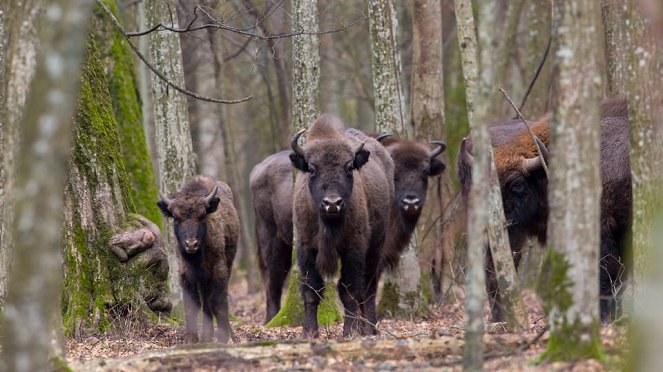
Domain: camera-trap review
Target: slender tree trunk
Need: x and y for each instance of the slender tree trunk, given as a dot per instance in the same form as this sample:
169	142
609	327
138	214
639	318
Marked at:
536	33
21	28
173	137
305	109
571	272
31	331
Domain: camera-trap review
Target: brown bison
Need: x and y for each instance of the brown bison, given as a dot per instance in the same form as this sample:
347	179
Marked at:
271	190
525	194
206	228
414	163
341	210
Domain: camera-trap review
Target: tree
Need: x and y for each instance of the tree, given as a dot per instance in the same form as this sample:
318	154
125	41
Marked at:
110	181
172	135
20	24
305	109
401	291
31	333
569	282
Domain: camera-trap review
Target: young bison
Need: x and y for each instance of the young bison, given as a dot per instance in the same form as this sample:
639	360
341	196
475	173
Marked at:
341	210
206	228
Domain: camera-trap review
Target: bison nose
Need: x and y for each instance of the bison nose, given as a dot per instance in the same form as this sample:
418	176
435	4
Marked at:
332	204
411	203
191	245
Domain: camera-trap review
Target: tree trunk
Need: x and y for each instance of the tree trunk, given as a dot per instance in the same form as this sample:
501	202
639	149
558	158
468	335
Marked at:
31	331
21	27
569	285
305	109
172	135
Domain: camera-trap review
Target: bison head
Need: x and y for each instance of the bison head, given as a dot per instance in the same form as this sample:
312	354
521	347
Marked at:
330	165
189	213
413	165
523	185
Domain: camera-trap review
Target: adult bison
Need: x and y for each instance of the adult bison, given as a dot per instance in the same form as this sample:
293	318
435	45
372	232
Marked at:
341	210
271	191
524	187
206	228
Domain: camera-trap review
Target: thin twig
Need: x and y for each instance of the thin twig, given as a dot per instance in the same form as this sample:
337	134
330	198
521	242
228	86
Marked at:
159	73
536	143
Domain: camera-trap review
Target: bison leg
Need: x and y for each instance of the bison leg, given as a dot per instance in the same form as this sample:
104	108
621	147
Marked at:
191	309
351	291
208	325
277	270
219	302
371	279
312	287
611	270
492	288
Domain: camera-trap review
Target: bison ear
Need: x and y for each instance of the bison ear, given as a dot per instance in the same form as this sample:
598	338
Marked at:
361	158
213	204
164	208
436	167
298	162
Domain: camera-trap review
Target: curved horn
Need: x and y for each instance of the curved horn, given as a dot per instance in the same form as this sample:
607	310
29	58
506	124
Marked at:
382	136
466	157
295	145
441	146
534	164
164	198
208	198
358	148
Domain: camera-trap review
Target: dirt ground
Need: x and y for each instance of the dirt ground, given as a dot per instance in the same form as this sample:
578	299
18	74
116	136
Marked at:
126	342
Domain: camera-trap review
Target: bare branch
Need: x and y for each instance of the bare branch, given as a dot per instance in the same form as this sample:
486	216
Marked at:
159	73
536	143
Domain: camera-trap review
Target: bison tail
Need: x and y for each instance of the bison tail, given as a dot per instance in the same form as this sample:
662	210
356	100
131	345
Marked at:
327	261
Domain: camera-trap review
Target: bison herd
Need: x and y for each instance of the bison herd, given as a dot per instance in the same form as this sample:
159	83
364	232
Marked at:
356	199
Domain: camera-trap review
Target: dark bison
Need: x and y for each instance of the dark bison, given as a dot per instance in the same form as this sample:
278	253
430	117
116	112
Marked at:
341	210
414	163
206	228
271	190
525	194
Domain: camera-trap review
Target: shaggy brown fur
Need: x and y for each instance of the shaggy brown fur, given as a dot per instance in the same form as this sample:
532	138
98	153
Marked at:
360	186
525	196
211	221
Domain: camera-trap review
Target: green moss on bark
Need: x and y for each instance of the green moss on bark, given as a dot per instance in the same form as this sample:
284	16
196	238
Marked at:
568	342
390	303
553	284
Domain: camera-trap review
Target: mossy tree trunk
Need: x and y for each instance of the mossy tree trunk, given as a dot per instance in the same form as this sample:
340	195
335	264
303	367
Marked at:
172	135
305	109
20	23
401	293
31	329
570	281
110	178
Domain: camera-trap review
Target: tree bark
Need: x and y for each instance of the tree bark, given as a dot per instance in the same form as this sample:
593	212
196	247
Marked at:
305	109
31	331
22	41
569	285
172	135
536	33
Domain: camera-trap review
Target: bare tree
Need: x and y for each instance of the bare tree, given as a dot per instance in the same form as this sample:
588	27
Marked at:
173	138
31	331
571	270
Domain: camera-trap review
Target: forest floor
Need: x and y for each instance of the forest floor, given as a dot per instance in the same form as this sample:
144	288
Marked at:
431	343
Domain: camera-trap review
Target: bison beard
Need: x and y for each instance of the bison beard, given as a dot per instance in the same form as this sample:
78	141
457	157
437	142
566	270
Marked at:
206	228
524	189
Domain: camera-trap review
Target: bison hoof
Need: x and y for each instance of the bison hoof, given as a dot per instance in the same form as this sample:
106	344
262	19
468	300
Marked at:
190	338
370	330
225	336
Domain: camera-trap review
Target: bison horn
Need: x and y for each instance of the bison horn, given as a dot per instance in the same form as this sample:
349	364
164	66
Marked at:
466	157
295	145
165	199
534	164
208	198
358	148
441	146
382	136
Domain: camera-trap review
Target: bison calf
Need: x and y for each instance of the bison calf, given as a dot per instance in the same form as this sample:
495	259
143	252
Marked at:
206	228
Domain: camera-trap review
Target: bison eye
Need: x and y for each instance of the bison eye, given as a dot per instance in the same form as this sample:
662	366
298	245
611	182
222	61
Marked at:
313	171
518	188
349	167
